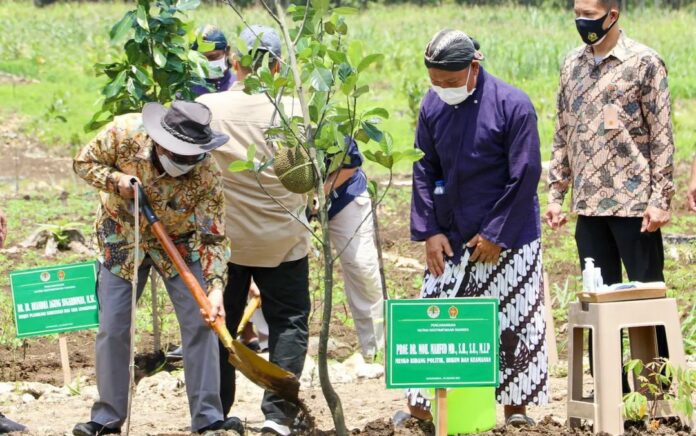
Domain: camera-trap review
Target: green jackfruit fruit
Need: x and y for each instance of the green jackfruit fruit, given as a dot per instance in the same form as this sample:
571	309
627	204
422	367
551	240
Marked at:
294	169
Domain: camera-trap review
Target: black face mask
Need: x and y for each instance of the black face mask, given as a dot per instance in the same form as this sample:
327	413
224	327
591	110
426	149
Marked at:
591	31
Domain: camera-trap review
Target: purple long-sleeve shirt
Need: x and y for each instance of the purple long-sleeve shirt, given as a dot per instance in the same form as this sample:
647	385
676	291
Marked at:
487	152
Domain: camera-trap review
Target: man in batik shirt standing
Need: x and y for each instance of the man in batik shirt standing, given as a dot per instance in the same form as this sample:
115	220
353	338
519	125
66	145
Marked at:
614	146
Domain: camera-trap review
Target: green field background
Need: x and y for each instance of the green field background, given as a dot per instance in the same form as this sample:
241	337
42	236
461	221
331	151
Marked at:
58	46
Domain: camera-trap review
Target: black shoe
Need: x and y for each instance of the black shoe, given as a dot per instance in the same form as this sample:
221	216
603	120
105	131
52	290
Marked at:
92	428
234	423
175	355
8	426
254	346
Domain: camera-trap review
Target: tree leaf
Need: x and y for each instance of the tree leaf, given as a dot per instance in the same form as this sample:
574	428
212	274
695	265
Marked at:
355	50
330	28
160	57
115	86
361	136
251	152
141	17
372	188
321	6
376	112
372	131
142	76
380	158
345	10
187	5
410	155
120	29
361	91
265	164
239	166
321	79
369	60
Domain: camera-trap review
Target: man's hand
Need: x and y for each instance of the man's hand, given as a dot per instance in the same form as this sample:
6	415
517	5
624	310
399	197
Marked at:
653	219
3	229
217	308
691	194
125	188
435	247
485	251
554	216
254	290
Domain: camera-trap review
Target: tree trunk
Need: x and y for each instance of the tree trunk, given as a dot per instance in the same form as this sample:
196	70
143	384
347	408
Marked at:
332	399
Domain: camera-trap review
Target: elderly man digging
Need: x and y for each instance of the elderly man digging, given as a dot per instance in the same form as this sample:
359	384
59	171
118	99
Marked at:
167	151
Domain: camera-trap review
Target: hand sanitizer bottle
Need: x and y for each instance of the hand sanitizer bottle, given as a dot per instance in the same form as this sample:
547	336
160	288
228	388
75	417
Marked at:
588	275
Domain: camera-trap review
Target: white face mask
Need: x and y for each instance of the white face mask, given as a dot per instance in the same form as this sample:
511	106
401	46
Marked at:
454	96
216	68
172	168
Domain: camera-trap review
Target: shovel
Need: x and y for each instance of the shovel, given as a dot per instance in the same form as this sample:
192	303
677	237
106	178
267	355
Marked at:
251	307
265	374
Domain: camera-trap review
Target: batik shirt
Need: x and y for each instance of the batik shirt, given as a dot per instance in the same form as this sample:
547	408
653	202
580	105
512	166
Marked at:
622	169
190	206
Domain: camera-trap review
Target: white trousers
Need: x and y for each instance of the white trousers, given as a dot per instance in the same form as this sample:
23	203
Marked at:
360	266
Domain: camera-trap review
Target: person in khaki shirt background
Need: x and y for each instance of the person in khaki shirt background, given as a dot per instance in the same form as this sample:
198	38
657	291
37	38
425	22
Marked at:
269	246
613	144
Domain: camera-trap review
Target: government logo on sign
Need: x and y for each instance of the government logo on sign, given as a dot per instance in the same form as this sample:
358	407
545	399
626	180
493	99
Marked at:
45	276
433	311
453	312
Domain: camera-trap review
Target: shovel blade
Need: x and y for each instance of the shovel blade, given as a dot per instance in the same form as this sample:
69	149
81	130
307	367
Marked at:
264	373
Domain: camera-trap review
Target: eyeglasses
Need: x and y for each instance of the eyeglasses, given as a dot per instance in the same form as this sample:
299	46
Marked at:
187	160
181	159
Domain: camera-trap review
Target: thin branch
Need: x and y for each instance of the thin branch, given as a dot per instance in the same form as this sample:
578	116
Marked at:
283	118
391	173
304	20
270	12
288	211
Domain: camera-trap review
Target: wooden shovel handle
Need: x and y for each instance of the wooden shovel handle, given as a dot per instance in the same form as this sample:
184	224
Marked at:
187	276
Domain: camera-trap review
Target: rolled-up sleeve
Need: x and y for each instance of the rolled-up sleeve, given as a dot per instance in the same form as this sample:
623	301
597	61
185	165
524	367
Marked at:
502	225
210	218
96	162
656	108
425	172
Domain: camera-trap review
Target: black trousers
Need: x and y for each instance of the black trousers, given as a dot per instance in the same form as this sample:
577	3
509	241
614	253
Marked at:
285	305
613	241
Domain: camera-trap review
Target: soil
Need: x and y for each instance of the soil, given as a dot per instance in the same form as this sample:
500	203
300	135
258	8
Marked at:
367	404
26	157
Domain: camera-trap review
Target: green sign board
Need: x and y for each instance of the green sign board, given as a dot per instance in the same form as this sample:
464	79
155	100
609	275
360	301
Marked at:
442	343
55	299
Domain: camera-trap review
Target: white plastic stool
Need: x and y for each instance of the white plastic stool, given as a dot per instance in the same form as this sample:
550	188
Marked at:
606	320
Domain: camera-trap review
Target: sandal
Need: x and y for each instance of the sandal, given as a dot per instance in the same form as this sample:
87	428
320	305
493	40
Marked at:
519	420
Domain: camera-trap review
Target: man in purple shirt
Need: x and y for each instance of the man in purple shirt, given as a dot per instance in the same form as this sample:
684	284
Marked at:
475	206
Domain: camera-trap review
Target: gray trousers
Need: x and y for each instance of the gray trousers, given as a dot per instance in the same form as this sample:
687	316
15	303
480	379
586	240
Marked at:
201	368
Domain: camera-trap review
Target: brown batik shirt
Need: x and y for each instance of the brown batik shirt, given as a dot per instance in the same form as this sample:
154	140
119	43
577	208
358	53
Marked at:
191	206
613	140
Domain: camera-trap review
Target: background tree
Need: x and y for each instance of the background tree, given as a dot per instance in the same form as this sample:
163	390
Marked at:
157	63
323	71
